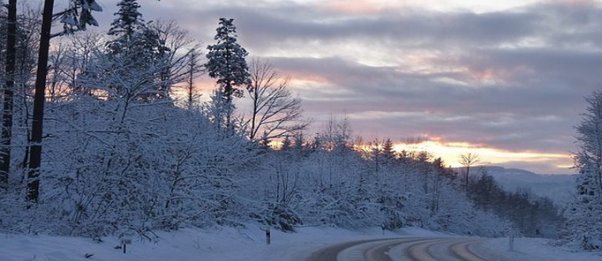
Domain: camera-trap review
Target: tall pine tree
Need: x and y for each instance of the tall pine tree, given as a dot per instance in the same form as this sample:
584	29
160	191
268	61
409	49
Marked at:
138	47
226	62
128	20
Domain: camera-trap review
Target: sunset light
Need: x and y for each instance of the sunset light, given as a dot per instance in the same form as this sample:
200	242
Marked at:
480	76
450	153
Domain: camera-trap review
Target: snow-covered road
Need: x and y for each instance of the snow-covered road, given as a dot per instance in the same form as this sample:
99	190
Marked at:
404	249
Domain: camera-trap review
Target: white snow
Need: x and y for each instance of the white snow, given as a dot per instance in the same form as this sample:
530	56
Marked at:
531	249
238	244
188	244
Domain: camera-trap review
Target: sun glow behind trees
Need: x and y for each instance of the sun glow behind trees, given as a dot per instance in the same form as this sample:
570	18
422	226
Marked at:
450	151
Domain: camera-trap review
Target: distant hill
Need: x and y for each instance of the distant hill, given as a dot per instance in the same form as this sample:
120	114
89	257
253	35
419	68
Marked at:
558	188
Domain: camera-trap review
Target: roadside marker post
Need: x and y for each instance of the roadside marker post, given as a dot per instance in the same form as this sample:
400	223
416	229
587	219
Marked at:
268	236
124	243
511	241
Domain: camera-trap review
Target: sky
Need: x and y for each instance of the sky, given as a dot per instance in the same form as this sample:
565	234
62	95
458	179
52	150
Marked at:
503	79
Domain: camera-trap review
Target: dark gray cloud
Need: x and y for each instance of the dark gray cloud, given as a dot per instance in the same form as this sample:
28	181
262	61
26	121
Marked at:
504	116
413	27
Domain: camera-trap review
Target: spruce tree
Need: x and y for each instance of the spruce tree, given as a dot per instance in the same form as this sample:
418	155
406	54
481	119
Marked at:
128	20
126	27
388	151
226	62
585	213
138	47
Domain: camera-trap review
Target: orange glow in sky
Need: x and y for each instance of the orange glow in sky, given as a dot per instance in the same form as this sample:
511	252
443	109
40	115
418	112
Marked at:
451	151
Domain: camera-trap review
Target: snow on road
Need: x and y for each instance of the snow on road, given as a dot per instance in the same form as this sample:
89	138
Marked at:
231	244
402	249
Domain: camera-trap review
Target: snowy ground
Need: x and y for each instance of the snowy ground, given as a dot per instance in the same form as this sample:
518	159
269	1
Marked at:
531	249
237	244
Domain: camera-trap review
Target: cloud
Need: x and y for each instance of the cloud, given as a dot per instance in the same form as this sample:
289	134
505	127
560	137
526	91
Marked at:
389	103
512	78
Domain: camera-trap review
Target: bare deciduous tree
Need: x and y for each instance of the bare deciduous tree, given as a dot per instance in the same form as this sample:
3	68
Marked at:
182	59
193	69
274	111
468	160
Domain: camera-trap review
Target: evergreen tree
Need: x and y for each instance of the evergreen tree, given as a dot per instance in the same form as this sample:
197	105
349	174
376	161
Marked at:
139	47
128	20
226	62
388	152
286	144
376	153
299	142
585	213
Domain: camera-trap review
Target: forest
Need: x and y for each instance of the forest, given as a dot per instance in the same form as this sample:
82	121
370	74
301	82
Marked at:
130	146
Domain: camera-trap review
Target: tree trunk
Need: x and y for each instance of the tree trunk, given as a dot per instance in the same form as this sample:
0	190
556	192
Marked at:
466	178
192	65
228	90
7	113
35	159
255	96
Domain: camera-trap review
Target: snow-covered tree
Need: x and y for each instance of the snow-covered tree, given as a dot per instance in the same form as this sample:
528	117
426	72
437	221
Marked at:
226	62
140	46
585	213
9	85
128	20
16	113
78	16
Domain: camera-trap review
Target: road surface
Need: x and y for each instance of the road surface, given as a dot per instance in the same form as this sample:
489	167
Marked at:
406	249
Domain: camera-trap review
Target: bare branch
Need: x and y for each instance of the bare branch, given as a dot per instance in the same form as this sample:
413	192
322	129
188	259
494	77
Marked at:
275	112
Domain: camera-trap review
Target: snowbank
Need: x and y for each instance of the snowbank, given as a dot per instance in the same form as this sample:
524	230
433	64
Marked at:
531	249
214	244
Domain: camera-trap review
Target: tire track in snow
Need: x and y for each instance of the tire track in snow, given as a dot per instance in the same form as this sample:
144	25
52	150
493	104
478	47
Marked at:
381	252
420	250
373	250
414	249
462	251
